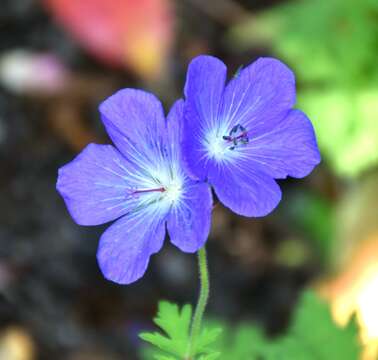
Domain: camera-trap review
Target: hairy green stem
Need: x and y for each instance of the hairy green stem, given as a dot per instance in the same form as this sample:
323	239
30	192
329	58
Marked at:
201	305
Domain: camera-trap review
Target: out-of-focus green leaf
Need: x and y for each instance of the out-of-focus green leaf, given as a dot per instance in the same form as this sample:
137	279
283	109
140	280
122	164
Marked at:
312	335
327	41
244	342
256	31
346	124
315	217
213	356
163	357
313	328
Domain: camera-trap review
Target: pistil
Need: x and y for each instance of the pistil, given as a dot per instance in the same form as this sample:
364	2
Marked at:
141	191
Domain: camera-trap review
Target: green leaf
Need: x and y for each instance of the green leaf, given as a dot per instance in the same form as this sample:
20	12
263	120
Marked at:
288	348
312	335
346	126
208	337
212	356
163	357
175	324
313	327
173	342
242	342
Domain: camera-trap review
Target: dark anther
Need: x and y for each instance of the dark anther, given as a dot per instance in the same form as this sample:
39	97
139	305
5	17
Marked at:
238	135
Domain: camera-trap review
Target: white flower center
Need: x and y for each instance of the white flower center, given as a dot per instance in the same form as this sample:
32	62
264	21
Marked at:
173	191
222	144
216	148
215	145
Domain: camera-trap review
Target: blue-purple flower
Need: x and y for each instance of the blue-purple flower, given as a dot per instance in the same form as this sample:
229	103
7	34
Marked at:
243	135
140	182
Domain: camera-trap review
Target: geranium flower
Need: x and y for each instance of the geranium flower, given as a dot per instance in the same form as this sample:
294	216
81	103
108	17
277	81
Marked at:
140	181
242	136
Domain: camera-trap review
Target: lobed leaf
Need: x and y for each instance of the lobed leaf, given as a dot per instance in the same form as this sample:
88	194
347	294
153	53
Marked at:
174	340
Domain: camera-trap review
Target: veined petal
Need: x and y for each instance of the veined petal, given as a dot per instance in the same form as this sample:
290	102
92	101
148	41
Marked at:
289	149
204	86
259	96
245	191
94	185
134	120
175	122
189	220
126	246
203	91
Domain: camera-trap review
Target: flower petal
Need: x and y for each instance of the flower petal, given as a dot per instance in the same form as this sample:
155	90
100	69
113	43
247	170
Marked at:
175	122
259	96
246	191
132	119
203	91
93	185
289	149
189	221
126	246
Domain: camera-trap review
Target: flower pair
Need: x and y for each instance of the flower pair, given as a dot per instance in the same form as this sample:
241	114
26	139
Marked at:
236	138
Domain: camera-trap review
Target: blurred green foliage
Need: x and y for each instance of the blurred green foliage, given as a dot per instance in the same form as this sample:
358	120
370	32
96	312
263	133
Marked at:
346	123
312	335
314	216
332	45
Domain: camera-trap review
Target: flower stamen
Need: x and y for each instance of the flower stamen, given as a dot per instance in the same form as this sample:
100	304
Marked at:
141	191
238	135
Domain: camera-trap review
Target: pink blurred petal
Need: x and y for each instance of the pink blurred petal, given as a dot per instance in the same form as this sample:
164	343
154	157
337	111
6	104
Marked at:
137	34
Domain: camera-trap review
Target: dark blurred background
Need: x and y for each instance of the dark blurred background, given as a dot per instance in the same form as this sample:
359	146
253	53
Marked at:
60	58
